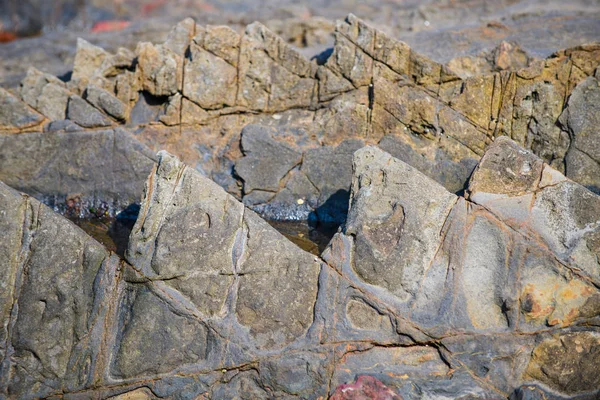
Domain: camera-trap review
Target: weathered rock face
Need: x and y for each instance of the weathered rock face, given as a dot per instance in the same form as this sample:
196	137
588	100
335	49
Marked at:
423	295
14	115
467	266
56	303
479	38
226	260
511	271
194	94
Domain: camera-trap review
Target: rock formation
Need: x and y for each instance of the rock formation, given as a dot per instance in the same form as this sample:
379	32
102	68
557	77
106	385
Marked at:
467	260
423	294
194	94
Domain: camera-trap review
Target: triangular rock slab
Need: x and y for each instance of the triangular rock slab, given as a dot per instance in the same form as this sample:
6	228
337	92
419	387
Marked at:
221	260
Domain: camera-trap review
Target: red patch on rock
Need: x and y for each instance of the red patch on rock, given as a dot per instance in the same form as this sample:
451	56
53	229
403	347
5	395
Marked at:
110	25
365	388
6	37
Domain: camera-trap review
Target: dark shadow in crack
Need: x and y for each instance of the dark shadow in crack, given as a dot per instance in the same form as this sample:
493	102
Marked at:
112	232
334	210
326	219
322	57
122	226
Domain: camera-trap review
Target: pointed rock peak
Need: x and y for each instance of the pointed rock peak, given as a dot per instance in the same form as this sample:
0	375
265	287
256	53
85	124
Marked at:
351	18
168	165
221	41
357	31
396	216
88	59
274	44
259	31
191	234
84	45
372	162
180	36
34	74
392	53
277	49
45	93
506	169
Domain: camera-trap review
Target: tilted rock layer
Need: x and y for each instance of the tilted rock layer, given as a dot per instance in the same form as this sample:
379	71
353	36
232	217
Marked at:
424	294
193	95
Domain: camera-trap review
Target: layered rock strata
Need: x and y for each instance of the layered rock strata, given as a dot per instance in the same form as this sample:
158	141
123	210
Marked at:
194	94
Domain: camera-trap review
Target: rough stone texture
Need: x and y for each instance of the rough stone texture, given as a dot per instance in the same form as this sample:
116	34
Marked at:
516	257
211	81
563	362
581	118
15	115
476	300
422	294
442	29
106	102
397	215
46	94
194	93
55	302
266	161
161	67
231	262
82	113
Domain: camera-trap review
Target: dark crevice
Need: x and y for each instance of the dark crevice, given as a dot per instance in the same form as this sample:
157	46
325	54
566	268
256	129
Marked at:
322	57
112	232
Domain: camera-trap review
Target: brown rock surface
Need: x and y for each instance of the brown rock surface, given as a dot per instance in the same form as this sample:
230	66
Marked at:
208	83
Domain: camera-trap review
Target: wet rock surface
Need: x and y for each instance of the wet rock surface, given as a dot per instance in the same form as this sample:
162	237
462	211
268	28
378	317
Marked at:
433	205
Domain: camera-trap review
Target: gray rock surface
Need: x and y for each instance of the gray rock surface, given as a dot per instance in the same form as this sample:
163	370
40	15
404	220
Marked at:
266	160
16	115
472	299
231	262
45	93
580	118
57	298
105	101
466	267
82	113
397	215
